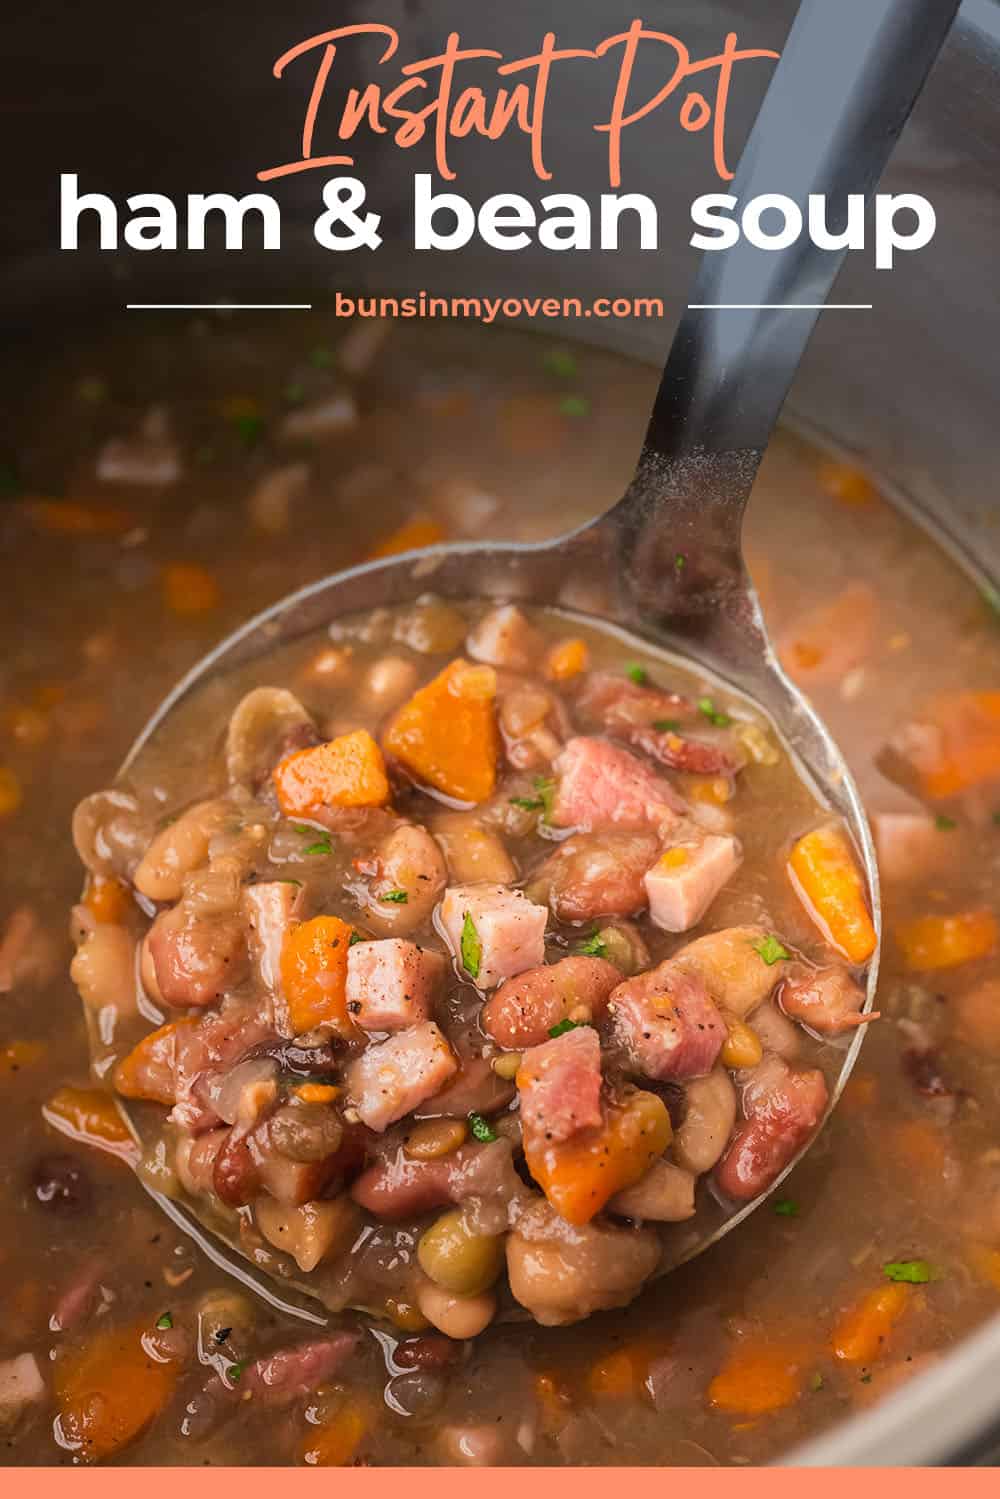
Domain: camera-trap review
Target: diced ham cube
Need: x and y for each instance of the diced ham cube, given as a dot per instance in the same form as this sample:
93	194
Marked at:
559	1084
826	999
504	637
389	1080
602	785
783	1106
494	932
911	846
391	984
291	1373
685	880
21	1385
269	909
667	1024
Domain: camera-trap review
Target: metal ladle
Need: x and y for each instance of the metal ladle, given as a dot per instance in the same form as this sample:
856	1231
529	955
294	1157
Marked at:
665	562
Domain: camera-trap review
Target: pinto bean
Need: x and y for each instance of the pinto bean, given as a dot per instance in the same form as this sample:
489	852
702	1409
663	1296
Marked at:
664	1195
103	970
458	1317
411	862
310	1233
598	874
474	853
475	1089
109	833
710	1114
562	1273
777	1033
306	1132
196	961
427	1352
177	849
524	1009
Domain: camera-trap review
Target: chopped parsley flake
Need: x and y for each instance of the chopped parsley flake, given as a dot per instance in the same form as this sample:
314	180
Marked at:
787	1207
991	598
715	716
667	725
234	1372
286	880
294	393
594	947
354	938
996	818
910	1272
575	406
944	822
321	358
542	800
636	673
560	362
680	562
562	1027
250	428
770	950
471	947
321	846
395	898
816	1383
165	1323
481	1129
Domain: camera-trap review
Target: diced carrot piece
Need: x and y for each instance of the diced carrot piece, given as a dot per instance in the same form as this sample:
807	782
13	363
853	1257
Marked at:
189	589
446	734
976	1015
89	1115
860	1093
74	518
714	792
317	1092
622	1374
920	1147
132	1077
828	882
566	659
109	1391
847	484
930	943
759	1378
314	975
954	744
335	1443
579	1175
49	695
862	1332
828	641
108	900
10	792
421	531
985	1261
345	772
18	1054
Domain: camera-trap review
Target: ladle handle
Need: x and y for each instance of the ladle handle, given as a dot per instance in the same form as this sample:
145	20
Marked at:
839	98
847	80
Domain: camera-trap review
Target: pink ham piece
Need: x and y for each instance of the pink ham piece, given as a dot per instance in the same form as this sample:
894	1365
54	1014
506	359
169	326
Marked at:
506	931
504	637
270	909
827	1000
604	786
196	961
911	846
559	1084
685	880
397	1187
783	1106
391	984
667	1024
392	1078
654	722
292	1373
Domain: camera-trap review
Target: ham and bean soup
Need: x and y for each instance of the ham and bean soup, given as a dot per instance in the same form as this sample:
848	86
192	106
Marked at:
465	968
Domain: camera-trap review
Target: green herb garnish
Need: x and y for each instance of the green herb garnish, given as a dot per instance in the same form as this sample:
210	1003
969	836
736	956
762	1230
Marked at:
321	846
714	715
234	1372
562	1027
471	947
481	1129
294	393
680	562
991	598
10	483
285	880
303	827
667	725
321	358
249	427
787	1207
165	1323
354	938
575	406
910	1272
866	1379
636	673
395	897
944	822
560	362
816	1383
770	950
594	947
541	801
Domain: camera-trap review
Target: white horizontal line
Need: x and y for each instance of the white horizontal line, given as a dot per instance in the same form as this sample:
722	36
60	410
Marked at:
780	306
217	306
